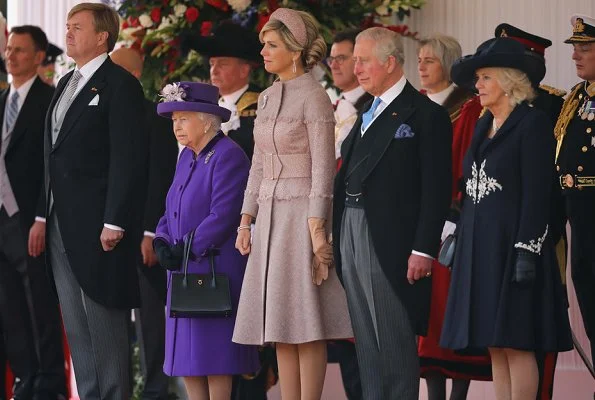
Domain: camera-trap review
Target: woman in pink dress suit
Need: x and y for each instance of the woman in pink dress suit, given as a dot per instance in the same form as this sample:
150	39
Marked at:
291	296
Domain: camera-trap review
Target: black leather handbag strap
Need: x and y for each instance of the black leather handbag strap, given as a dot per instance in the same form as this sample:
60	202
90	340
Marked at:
187	246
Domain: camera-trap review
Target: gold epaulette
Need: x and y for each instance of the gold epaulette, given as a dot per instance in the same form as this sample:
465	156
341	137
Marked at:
553	90
591	90
247	99
568	110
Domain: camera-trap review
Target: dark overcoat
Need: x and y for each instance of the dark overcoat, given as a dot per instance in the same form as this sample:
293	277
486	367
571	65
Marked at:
508	181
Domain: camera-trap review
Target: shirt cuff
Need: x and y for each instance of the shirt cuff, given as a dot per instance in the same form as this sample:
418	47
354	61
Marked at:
149	234
418	253
113	227
40	219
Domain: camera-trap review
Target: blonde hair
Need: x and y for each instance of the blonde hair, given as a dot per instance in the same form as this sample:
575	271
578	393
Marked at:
105	19
445	48
315	48
515	84
387	43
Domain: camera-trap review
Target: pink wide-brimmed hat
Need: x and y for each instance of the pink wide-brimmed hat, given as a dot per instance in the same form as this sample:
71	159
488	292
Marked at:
191	96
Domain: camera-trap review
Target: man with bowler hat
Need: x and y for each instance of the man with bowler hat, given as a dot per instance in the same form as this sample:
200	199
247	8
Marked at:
575	163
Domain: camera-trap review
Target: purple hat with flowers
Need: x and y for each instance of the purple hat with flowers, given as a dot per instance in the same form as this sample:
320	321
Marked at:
191	96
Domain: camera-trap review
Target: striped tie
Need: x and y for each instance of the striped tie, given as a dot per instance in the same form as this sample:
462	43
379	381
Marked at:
12	113
68	93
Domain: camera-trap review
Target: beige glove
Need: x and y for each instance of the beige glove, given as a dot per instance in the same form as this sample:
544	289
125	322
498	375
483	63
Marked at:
323	250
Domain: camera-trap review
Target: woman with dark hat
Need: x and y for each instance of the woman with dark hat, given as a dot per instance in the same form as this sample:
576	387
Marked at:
505	292
205	197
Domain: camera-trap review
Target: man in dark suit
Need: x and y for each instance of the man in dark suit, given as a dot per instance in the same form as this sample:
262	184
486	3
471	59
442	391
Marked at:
149	318
95	155
29	313
233	51
392	196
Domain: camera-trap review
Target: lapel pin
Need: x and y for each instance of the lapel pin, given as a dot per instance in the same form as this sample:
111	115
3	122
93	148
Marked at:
395	114
93	89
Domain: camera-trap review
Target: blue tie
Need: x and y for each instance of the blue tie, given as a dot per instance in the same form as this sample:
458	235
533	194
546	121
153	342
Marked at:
369	115
12	112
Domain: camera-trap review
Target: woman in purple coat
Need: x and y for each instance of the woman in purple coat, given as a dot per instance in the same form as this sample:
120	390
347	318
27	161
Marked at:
205	197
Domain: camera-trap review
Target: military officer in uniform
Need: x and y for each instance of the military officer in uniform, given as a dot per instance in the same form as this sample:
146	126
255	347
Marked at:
575	162
550	101
233	51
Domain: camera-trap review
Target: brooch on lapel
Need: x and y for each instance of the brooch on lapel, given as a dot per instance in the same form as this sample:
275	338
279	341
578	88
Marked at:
208	157
93	89
264	100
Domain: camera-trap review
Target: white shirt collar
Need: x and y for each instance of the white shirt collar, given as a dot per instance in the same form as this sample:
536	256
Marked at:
233	98
392	93
23	90
441	96
91	67
353	95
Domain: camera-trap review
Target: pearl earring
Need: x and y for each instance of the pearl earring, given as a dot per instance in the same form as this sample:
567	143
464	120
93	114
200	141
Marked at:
294	67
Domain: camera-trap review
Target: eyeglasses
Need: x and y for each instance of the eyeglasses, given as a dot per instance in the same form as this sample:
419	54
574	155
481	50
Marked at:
339	59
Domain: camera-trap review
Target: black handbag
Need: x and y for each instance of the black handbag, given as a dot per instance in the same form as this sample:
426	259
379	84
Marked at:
447	250
198	295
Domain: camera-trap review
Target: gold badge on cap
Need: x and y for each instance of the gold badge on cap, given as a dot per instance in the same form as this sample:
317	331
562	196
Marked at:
579	26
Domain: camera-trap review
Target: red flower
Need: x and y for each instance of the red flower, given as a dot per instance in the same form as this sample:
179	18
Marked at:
262	20
191	14
133	22
124	24
156	14
220	4
273	5
205	28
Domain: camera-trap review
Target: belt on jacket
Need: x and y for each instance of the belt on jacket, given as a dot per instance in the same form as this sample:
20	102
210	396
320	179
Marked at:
354	200
569	181
280	166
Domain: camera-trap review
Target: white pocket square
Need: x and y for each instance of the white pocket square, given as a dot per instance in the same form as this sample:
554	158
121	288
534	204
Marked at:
94	101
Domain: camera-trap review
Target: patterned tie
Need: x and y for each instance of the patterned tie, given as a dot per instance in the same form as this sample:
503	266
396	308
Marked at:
68	93
369	115
12	113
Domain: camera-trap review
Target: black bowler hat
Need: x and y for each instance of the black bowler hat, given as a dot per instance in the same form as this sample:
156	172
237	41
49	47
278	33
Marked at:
51	54
531	42
498	52
583	29
228	40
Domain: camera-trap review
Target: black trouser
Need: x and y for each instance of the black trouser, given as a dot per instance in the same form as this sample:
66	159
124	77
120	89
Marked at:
30	316
581	213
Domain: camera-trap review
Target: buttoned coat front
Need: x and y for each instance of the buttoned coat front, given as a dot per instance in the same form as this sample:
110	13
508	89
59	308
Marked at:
290	180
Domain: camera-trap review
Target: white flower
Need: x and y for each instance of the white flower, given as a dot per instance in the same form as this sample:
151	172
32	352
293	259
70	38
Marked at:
165	22
145	20
173	92
127	34
179	10
239	5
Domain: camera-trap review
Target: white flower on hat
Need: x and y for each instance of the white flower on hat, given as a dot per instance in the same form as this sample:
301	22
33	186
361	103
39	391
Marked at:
172	92
239	5
145	20
179	10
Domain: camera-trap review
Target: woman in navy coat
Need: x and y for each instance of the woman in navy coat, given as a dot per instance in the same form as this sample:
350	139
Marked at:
505	292
205	197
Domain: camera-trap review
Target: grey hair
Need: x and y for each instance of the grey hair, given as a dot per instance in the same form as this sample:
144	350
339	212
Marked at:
515	84
387	43
213	120
445	48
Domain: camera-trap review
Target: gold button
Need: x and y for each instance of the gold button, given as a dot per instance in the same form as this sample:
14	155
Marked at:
588	130
557	168
580	168
580	96
584	149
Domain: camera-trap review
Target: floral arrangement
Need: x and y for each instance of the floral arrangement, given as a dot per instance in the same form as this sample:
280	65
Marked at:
158	28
